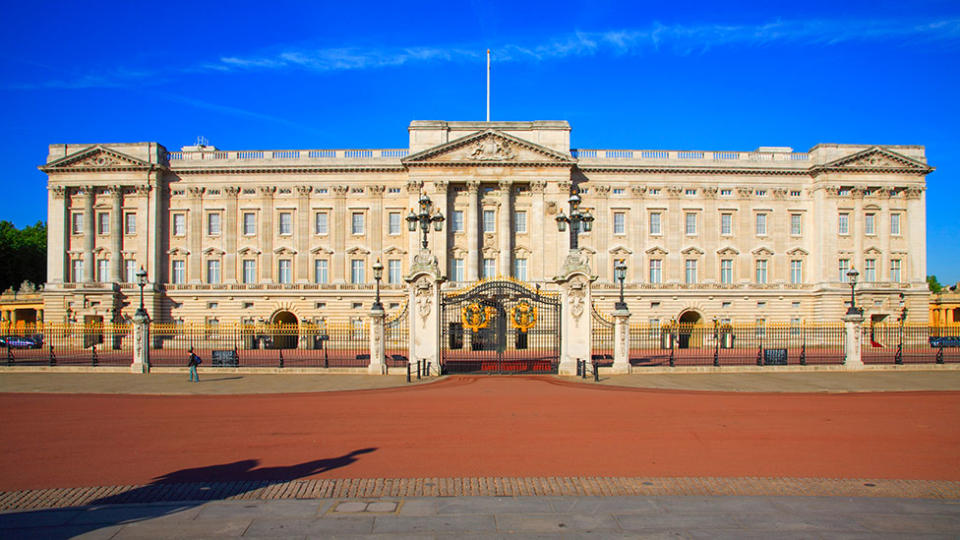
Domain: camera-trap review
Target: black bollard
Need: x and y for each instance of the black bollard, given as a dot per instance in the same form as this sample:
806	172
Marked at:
596	371
93	356
418	370
9	355
281	358
53	357
408	371
427	371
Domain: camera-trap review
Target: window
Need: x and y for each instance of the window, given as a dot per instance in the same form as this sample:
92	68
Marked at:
726	271
356	271
761	271
393	223
691	223
796	224
179	224
213	224
619	223
656	271
356	224
76	223
796	271
870	270
690	271
895	224
284	273
456	221
76	270
761	224
618	191
795	193
654	191
726	192
489	268
869	224
178	272
520	221
103	223
249	224
457	270
655	223
895	270
520	269
489	221
843	223
130	223
249	271
320	271
726	224
394	271
320	223
213	272
690	192
130	271
286	223
843	267
103	270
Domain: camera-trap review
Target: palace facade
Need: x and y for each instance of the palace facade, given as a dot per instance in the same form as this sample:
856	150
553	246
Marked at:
291	235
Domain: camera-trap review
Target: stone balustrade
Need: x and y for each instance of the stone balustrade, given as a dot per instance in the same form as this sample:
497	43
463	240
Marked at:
393	154
658	156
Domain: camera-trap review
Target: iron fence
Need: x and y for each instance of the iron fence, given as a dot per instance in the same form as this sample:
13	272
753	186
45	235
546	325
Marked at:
910	344
602	330
396	332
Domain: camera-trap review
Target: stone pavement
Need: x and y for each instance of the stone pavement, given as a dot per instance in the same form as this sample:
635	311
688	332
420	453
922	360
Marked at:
496	517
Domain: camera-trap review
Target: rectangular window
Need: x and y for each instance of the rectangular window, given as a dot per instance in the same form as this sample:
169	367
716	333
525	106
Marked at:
286	223
895	270
320	271
489	268
213	224
761	271
843	267
179	224
178	272
103	270
394	271
690	220
726	271
520	269
690	271
456	222
870	270
130	271
213	272
489	221
869	224
656	271
458	270
284	271
796	271
320	223
249	271
356	272
393	225
655	223
130	223
895	224
356	224
103	223
726	224
76	223
796	224
520	221
76	270
249	224
761	224
843	224
619	223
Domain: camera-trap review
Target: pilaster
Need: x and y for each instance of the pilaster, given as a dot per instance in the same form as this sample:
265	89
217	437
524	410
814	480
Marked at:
302	267
231	229
89	234
340	224
473	231
504	233
536	231
267	271
195	234
116	234
439	242
58	218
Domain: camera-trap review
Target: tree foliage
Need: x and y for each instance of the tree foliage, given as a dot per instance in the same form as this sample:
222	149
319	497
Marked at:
23	254
933	284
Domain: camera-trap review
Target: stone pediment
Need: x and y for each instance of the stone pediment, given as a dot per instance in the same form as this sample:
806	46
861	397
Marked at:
213	251
727	252
94	158
490	147
872	250
798	252
285	250
656	251
358	250
620	250
178	251
249	251
692	251
877	159
393	250
762	252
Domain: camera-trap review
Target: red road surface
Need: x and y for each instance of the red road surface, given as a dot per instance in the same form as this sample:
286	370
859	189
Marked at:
475	426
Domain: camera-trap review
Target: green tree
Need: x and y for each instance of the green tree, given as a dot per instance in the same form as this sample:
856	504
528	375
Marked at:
23	253
933	284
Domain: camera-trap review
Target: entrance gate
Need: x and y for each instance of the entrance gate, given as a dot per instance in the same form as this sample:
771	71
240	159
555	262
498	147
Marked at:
500	327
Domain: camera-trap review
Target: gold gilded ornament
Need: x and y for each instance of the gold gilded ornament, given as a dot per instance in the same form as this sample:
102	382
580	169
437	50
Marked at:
523	316
475	316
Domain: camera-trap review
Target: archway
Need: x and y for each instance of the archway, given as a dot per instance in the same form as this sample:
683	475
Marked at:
286	330
688	334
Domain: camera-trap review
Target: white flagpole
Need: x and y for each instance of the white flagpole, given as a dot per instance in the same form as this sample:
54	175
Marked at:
488	85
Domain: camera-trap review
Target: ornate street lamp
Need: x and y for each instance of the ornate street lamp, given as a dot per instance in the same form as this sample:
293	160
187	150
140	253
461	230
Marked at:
578	220
716	342
620	273
424	218
377	275
852	274
898	359
142	282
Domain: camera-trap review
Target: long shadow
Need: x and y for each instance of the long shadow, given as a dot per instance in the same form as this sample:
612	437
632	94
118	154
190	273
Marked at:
180	490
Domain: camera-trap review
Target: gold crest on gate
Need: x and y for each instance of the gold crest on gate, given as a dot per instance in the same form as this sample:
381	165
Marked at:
523	316
474	316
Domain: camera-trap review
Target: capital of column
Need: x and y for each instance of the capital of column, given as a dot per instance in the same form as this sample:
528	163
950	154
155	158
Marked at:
116	192
267	191
232	191
377	190
58	192
304	191
441	186
505	186
196	191
473	186
538	186
340	191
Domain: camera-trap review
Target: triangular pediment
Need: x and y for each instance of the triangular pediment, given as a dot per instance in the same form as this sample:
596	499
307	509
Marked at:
213	251
762	252
97	157
490	147
656	251
727	252
798	252
620	250
872	250
249	251
692	251
358	250
875	159
285	250
393	250
320	250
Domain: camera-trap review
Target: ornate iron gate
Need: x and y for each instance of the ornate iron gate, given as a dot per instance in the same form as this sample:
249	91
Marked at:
500	327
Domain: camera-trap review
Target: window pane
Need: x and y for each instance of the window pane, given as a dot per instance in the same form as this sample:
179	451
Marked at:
249	223
619	221
284	273
844	267
795	224
655	223
895	224
178	274
130	271
77	223
796	271
357	223
249	271
690	274
691	223
870	270
179	224
761	224
726	223
213	272
895	270
393	271
393	227
520	269
213	224
520	221
869	223
655	271
356	272
489	268
103	270
726	271
131	223
458	270
286	223
761	271
103	223
457	221
489	223
321	223
843	224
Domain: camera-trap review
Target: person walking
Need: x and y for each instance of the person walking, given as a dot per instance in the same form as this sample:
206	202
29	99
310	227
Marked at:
192	364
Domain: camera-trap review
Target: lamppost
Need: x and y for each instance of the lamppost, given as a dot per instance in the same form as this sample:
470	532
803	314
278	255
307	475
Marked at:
425	217
620	273
903	317
578	220
852	274
141	281
377	275
716	342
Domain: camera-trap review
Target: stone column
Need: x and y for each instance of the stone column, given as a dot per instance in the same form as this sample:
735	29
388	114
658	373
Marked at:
141	343
535	228
378	223
232	227
621	341
504	234
575	332
148	225
378	364
58	227
473	231
195	233
302	267
602	231
267	271
852	331
89	235
438	243
340	223
424	309
116	234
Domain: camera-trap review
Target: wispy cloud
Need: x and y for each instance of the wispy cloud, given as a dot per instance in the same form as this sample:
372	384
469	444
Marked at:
654	39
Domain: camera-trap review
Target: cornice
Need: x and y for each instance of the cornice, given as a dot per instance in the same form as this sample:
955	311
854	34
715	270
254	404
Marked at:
357	169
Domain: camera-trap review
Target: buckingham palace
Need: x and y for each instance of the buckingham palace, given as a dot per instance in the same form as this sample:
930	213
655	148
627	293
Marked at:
288	236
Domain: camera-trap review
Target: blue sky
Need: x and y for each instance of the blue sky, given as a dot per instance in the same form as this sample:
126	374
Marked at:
677	75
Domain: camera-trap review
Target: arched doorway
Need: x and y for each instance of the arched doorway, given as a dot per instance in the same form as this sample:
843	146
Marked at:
286	330
689	333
